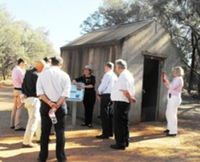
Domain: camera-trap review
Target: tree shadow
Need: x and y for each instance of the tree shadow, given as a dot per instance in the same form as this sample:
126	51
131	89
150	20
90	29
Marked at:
147	137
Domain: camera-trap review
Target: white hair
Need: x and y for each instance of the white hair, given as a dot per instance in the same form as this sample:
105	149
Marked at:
110	65
121	63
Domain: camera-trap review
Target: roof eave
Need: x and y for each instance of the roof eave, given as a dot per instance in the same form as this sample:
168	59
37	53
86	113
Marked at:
106	43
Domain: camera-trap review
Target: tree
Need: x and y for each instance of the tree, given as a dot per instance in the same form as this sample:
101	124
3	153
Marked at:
182	19
114	12
17	39
9	42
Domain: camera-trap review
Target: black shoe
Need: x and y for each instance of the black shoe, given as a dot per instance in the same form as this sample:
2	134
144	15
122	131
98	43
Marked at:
166	131
39	160
62	160
102	137
117	147
127	143
29	145
12	127
90	125
20	129
38	142
170	135
52	133
83	124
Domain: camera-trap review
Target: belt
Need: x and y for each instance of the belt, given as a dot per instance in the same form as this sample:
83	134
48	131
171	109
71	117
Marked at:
105	94
18	89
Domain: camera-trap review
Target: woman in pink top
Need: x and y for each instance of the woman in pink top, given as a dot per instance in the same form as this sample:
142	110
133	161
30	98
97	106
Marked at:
174	99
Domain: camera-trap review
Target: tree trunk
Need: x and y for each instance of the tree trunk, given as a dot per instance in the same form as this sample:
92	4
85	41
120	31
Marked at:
4	75
191	78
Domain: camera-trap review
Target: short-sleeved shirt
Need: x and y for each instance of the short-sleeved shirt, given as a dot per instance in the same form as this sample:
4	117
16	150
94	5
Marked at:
54	83
87	81
125	82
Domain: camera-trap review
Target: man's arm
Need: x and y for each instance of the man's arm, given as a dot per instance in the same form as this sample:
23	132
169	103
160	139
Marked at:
104	84
127	88
66	91
47	101
61	101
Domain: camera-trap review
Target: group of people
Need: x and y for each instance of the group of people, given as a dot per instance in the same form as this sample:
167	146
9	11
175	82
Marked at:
45	88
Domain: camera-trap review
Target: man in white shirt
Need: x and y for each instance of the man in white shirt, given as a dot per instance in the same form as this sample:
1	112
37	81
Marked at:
122	95
104	92
53	87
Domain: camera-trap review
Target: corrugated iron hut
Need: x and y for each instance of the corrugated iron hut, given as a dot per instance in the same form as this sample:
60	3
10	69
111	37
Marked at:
147	48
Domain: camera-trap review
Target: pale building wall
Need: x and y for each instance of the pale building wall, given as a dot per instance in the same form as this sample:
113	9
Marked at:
155	40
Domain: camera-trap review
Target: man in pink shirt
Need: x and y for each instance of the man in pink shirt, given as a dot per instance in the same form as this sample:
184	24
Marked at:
18	73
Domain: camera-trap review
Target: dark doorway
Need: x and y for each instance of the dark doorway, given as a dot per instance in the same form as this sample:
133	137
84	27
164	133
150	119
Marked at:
150	89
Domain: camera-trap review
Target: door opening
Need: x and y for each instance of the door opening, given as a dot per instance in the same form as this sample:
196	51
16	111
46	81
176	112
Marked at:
150	89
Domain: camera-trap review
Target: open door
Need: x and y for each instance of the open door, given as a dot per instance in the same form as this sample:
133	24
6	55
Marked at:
150	89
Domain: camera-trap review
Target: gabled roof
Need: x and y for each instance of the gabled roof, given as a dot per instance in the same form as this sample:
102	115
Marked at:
108	35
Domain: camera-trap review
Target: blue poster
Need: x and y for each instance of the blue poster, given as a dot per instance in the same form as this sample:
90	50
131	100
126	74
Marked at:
76	94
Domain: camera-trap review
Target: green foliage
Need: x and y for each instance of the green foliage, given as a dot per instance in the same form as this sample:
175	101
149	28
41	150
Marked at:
18	39
182	20
114	12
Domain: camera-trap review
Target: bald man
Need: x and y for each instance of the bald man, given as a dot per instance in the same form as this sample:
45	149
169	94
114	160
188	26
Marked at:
32	104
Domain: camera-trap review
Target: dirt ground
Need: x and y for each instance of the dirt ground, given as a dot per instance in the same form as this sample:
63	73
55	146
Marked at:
147	142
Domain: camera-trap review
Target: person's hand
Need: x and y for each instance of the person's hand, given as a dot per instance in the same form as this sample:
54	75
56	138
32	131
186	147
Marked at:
23	96
52	110
79	87
133	100
52	105
98	98
125	92
164	77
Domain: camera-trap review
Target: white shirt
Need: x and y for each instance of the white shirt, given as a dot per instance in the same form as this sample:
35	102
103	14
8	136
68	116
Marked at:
107	82
54	83
125	82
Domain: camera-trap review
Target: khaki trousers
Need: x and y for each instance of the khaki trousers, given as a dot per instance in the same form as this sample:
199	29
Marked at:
16	111
32	104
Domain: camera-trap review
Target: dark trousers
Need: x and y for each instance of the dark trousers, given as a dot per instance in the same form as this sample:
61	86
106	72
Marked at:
106	117
89	101
46	129
121	110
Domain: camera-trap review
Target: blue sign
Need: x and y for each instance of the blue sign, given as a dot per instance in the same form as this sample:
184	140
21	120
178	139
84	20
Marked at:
76	94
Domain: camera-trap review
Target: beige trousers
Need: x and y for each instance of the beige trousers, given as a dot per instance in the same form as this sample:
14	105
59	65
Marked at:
32	104
16	111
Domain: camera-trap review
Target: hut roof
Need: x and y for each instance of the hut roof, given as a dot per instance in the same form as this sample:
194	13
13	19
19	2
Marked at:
108	35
